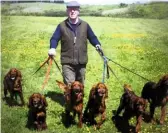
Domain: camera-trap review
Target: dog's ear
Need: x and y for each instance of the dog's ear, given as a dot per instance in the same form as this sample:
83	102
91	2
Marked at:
19	73
62	86
142	101
44	101
9	73
163	80
106	93
145	103
131	104
82	87
127	88
159	82
30	104
17	82
92	92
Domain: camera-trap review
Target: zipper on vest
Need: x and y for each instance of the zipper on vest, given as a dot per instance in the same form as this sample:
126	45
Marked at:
75	40
75	34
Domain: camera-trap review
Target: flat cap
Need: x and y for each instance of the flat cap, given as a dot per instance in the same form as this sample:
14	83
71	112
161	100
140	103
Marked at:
72	4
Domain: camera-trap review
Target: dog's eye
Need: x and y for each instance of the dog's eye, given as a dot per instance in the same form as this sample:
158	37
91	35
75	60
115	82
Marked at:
139	104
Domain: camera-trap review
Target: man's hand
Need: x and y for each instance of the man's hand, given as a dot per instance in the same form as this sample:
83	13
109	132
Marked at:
98	48
52	52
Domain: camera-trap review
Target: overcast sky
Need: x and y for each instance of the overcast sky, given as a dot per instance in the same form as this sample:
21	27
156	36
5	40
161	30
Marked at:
112	1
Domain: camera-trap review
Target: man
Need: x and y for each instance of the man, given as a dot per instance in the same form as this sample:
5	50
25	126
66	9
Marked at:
73	33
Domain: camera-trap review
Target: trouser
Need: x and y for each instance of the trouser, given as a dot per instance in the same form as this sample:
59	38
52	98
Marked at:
73	73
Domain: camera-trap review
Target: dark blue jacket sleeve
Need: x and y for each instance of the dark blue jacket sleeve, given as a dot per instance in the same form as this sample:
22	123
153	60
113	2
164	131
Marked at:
55	37
92	37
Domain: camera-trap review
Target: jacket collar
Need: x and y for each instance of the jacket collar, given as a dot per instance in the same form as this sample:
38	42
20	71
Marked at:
69	24
77	20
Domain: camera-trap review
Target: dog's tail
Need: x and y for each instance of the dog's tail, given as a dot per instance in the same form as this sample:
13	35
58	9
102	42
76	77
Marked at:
127	88
62	86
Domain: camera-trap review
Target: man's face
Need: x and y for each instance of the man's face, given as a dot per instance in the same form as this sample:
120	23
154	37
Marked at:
73	12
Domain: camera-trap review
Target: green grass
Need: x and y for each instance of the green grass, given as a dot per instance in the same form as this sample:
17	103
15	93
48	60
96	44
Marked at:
138	44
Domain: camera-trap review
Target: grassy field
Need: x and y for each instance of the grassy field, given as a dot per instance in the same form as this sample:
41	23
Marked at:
51	9
152	10
138	44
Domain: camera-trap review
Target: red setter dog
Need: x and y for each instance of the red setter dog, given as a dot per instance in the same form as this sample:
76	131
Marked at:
73	95
12	84
37	111
132	106
96	104
157	95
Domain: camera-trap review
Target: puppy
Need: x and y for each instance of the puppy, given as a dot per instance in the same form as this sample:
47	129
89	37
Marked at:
157	95
96	104
132	106
12	84
73	94
37	111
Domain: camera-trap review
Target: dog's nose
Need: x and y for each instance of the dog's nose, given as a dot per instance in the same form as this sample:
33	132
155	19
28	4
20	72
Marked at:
77	90
35	100
101	90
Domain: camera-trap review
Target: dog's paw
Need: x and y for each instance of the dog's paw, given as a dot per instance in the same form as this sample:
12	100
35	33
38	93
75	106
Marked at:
153	121
80	125
161	122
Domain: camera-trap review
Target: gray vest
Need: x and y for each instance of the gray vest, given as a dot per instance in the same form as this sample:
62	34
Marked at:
74	45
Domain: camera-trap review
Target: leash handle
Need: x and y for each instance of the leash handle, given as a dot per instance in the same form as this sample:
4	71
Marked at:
100	51
105	66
